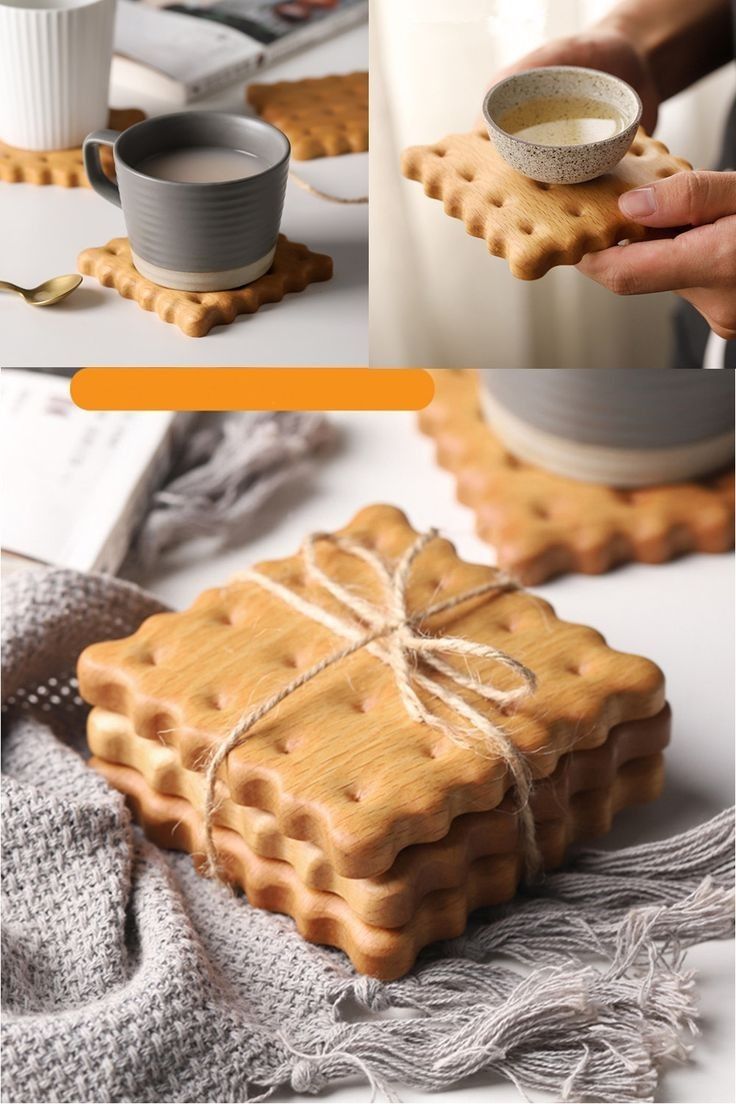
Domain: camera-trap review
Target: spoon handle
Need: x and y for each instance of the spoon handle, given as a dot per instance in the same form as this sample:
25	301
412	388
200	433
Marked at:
6	286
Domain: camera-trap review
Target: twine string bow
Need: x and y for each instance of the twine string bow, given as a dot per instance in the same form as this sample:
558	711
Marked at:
392	634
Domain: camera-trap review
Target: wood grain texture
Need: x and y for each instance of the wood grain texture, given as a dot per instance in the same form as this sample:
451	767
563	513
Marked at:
62	167
535	226
542	525
390	900
320	917
294	267
341	764
321	117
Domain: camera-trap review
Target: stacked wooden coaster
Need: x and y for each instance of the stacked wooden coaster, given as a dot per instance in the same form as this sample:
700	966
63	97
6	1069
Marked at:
378	830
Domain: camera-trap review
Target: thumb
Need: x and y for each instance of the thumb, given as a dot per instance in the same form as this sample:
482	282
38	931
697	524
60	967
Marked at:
685	199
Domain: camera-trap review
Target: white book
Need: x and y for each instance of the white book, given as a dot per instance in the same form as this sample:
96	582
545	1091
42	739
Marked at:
192	49
76	483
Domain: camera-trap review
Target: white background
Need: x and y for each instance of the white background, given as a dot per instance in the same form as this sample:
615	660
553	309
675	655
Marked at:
681	615
43	229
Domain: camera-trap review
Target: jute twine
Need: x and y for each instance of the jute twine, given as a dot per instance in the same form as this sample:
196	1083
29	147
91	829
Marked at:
319	194
392	634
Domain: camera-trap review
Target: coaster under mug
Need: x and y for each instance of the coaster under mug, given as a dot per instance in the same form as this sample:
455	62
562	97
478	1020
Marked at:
196	236
542	525
294	268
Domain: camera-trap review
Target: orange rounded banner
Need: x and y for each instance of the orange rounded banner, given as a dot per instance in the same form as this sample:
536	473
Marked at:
252	388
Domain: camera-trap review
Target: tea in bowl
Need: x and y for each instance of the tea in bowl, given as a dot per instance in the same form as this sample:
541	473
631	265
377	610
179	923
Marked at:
562	124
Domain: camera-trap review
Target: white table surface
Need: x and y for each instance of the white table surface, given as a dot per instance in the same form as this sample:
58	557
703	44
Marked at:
43	229
680	614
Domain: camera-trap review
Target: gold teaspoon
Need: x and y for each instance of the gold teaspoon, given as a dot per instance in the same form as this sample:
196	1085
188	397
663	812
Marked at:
46	294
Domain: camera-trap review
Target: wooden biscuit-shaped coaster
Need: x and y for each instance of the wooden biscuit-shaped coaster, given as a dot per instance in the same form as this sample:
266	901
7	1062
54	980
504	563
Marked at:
321	117
62	167
294	267
541	524
391	899
386	953
535	226
340	763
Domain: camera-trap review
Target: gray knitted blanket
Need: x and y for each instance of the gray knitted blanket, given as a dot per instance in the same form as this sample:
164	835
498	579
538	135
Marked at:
126	977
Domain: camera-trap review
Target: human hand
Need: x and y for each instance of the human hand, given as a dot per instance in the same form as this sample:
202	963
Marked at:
605	49
697	263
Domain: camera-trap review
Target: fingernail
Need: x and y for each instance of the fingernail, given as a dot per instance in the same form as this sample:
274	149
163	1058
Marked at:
640	203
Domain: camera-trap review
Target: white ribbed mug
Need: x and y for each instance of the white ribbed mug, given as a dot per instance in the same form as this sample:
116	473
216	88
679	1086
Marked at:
55	58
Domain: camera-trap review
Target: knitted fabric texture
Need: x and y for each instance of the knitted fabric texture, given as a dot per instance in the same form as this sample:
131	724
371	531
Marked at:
127	977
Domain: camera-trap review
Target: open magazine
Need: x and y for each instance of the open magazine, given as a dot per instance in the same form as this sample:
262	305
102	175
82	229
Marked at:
184	50
77	501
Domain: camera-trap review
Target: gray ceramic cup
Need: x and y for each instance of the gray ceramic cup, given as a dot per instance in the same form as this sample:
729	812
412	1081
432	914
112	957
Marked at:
204	236
562	164
621	427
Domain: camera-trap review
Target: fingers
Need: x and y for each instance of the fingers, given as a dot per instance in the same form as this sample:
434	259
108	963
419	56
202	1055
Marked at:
717	310
685	199
700	257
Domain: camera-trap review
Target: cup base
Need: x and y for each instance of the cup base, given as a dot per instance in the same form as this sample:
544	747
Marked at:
44	143
613	467
224	280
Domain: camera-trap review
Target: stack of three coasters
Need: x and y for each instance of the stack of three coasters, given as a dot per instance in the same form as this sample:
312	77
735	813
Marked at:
366	801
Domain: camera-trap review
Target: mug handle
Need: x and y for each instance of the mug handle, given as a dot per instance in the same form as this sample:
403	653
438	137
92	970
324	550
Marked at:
93	166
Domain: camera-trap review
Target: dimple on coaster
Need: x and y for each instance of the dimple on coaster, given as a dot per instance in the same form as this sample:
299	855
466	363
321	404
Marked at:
294	267
326	918
321	117
391	899
541	524
62	167
535	226
340	763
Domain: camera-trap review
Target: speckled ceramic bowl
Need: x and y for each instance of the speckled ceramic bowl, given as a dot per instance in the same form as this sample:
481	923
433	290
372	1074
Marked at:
566	164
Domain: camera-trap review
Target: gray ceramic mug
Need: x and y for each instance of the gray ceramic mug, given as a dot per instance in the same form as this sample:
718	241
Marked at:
622	427
199	236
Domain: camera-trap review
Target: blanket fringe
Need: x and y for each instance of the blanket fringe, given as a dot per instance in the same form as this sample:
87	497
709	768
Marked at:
606	1005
